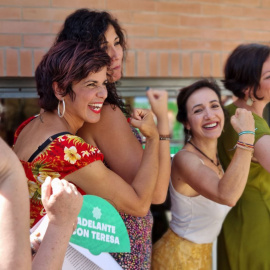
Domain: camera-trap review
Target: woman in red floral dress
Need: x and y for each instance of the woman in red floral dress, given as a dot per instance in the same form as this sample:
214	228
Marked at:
71	82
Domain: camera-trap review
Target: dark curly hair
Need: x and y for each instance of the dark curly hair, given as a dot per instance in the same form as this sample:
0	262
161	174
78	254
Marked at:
243	69
65	63
186	92
90	26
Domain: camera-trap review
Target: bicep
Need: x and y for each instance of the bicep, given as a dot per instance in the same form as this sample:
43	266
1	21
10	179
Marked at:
198	176
96	179
262	152
114	137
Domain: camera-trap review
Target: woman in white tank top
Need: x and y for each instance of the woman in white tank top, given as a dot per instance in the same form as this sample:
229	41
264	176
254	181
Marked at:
201	193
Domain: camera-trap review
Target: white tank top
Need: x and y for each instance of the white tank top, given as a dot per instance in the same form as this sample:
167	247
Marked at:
196	219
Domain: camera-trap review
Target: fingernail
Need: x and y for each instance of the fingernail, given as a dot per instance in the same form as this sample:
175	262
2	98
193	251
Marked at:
128	120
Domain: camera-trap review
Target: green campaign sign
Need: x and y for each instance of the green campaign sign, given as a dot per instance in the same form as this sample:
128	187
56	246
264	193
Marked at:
100	228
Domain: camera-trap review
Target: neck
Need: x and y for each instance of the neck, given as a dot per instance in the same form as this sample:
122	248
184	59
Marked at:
257	106
71	124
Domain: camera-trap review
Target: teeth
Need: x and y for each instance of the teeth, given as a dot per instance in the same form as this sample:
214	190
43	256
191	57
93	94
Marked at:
96	107
211	125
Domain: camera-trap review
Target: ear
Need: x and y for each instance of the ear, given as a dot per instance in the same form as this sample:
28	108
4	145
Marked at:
57	91
248	93
187	125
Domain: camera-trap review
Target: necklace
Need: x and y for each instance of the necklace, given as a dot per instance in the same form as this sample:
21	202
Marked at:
216	164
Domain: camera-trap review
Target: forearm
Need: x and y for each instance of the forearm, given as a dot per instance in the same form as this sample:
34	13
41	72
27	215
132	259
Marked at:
14	212
52	250
161	187
145	181
233	182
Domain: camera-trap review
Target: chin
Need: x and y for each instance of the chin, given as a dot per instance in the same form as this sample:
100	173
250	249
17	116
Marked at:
117	76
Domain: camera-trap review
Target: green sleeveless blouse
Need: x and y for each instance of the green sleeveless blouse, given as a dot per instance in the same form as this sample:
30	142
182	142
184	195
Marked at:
244	242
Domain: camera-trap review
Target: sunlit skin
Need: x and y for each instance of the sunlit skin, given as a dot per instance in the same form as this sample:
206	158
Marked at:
90	95
115	51
264	90
205	114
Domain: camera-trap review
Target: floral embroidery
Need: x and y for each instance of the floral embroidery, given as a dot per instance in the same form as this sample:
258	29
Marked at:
32	187
71	154
43	175
85	153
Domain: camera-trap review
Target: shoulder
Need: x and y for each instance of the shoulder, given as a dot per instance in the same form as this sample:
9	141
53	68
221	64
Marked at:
185	160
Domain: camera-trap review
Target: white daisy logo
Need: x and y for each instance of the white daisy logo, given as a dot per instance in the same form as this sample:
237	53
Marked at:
96	213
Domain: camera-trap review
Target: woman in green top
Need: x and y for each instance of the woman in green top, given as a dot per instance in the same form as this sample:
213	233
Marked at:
244	242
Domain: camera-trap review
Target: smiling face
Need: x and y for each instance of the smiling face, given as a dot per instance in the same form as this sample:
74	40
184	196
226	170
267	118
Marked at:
264	90
90	95
204	114
115	51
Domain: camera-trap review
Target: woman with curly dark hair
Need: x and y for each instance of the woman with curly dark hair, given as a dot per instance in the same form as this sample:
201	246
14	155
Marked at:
114	136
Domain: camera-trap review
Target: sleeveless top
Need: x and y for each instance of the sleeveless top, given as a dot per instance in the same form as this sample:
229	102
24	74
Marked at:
196	219
58	156
244	242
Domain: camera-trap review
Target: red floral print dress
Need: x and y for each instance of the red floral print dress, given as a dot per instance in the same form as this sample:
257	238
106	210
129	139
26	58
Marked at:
62	155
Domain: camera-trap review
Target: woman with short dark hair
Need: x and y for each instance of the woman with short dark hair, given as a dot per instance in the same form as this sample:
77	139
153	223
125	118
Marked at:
71	81
244	242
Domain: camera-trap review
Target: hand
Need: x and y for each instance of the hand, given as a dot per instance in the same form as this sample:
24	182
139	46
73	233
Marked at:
159	102
243	121
61	200
144	121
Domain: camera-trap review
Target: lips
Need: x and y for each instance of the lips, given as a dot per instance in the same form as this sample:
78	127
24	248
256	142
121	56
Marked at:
116	67
211	125
95	107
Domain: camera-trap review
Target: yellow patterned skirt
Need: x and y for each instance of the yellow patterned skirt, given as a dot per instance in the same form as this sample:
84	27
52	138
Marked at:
173	252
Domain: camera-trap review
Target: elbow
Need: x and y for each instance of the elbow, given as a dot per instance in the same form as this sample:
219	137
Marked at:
141	212
229	201
159	199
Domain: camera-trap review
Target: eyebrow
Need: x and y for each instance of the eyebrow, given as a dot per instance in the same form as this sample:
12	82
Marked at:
90	81
197	105
105	42
265	72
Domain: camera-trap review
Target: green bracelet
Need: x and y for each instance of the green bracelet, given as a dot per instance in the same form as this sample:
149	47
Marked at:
246	132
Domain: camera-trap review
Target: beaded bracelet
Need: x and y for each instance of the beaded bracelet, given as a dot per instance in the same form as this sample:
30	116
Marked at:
164	137
246	132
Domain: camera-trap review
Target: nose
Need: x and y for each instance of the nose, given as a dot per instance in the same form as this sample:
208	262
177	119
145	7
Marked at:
102	91
112	52
208	113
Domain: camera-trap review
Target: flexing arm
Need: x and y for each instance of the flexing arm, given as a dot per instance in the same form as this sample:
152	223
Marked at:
205	181
122	151
114	137
14	212
159	104
134	198
262	152
62	203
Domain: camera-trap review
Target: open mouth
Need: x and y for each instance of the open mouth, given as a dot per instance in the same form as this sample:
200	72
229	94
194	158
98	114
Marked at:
211	126
96	107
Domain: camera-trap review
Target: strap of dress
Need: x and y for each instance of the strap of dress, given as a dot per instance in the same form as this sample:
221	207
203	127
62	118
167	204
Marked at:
45	144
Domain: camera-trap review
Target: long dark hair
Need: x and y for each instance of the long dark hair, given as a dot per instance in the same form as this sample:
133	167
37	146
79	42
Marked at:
90	26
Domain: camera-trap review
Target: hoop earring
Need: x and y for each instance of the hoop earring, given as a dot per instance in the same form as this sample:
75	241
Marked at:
61	115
